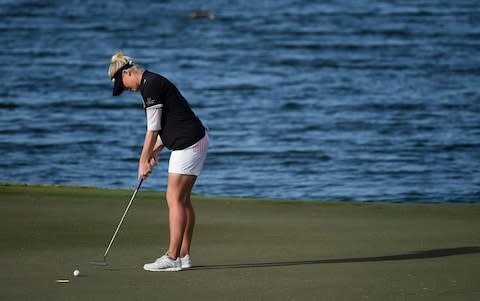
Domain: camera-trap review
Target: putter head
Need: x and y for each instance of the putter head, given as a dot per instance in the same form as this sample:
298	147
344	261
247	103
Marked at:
101	263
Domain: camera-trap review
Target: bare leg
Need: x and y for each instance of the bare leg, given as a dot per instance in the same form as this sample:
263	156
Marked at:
178	192
188	234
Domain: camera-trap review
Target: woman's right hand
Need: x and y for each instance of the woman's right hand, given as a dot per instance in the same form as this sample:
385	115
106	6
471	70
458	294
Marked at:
144	170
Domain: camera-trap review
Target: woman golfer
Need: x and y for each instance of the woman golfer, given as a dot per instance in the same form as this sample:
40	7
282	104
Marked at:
171	123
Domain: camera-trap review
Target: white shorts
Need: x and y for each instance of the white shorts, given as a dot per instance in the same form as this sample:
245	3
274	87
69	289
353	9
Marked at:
189	161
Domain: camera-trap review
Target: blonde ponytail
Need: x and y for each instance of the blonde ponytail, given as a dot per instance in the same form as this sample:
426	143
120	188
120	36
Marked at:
118	61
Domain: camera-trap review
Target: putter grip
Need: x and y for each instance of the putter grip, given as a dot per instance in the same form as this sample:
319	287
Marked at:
140	181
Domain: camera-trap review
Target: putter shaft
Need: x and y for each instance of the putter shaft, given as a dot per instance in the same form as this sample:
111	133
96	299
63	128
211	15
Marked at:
118	227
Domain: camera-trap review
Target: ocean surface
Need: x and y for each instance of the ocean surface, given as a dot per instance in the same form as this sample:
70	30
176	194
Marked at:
317	100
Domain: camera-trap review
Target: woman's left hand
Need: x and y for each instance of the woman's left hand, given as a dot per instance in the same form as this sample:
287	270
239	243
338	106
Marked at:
153	159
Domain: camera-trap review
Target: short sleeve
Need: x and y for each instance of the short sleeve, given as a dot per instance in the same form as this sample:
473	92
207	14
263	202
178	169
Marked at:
153	95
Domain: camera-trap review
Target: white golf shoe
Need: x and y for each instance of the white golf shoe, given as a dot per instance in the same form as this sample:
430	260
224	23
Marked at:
186	262
164	264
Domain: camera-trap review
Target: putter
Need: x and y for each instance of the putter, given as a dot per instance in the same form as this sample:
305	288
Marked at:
103	262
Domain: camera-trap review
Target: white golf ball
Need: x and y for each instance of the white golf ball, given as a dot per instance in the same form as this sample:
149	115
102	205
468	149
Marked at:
76	273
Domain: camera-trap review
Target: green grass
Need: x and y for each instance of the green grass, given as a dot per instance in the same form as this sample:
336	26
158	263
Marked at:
243	249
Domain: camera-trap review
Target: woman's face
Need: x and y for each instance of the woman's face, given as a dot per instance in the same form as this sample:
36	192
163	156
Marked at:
129	81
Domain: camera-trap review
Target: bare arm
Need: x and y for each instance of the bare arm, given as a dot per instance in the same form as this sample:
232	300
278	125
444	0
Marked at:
150	144
156	151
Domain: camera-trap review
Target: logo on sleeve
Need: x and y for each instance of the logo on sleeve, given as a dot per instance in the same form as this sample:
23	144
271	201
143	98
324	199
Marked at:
150	102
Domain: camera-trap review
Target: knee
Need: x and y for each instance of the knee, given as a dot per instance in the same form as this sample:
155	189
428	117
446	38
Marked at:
174	199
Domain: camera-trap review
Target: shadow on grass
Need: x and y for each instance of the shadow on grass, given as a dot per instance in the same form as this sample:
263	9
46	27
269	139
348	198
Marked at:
426	254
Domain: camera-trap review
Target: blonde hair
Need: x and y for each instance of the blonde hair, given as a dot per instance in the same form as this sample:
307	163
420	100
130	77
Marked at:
118	61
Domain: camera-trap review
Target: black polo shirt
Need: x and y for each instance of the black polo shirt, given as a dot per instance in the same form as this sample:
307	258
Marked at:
181	128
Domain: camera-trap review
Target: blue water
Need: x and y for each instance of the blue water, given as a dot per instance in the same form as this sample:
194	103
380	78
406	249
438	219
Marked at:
319	100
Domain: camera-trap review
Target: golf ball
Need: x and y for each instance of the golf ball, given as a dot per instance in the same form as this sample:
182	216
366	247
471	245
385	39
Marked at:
76	273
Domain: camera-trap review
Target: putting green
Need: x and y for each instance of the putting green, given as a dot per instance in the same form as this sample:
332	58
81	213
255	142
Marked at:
243	249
